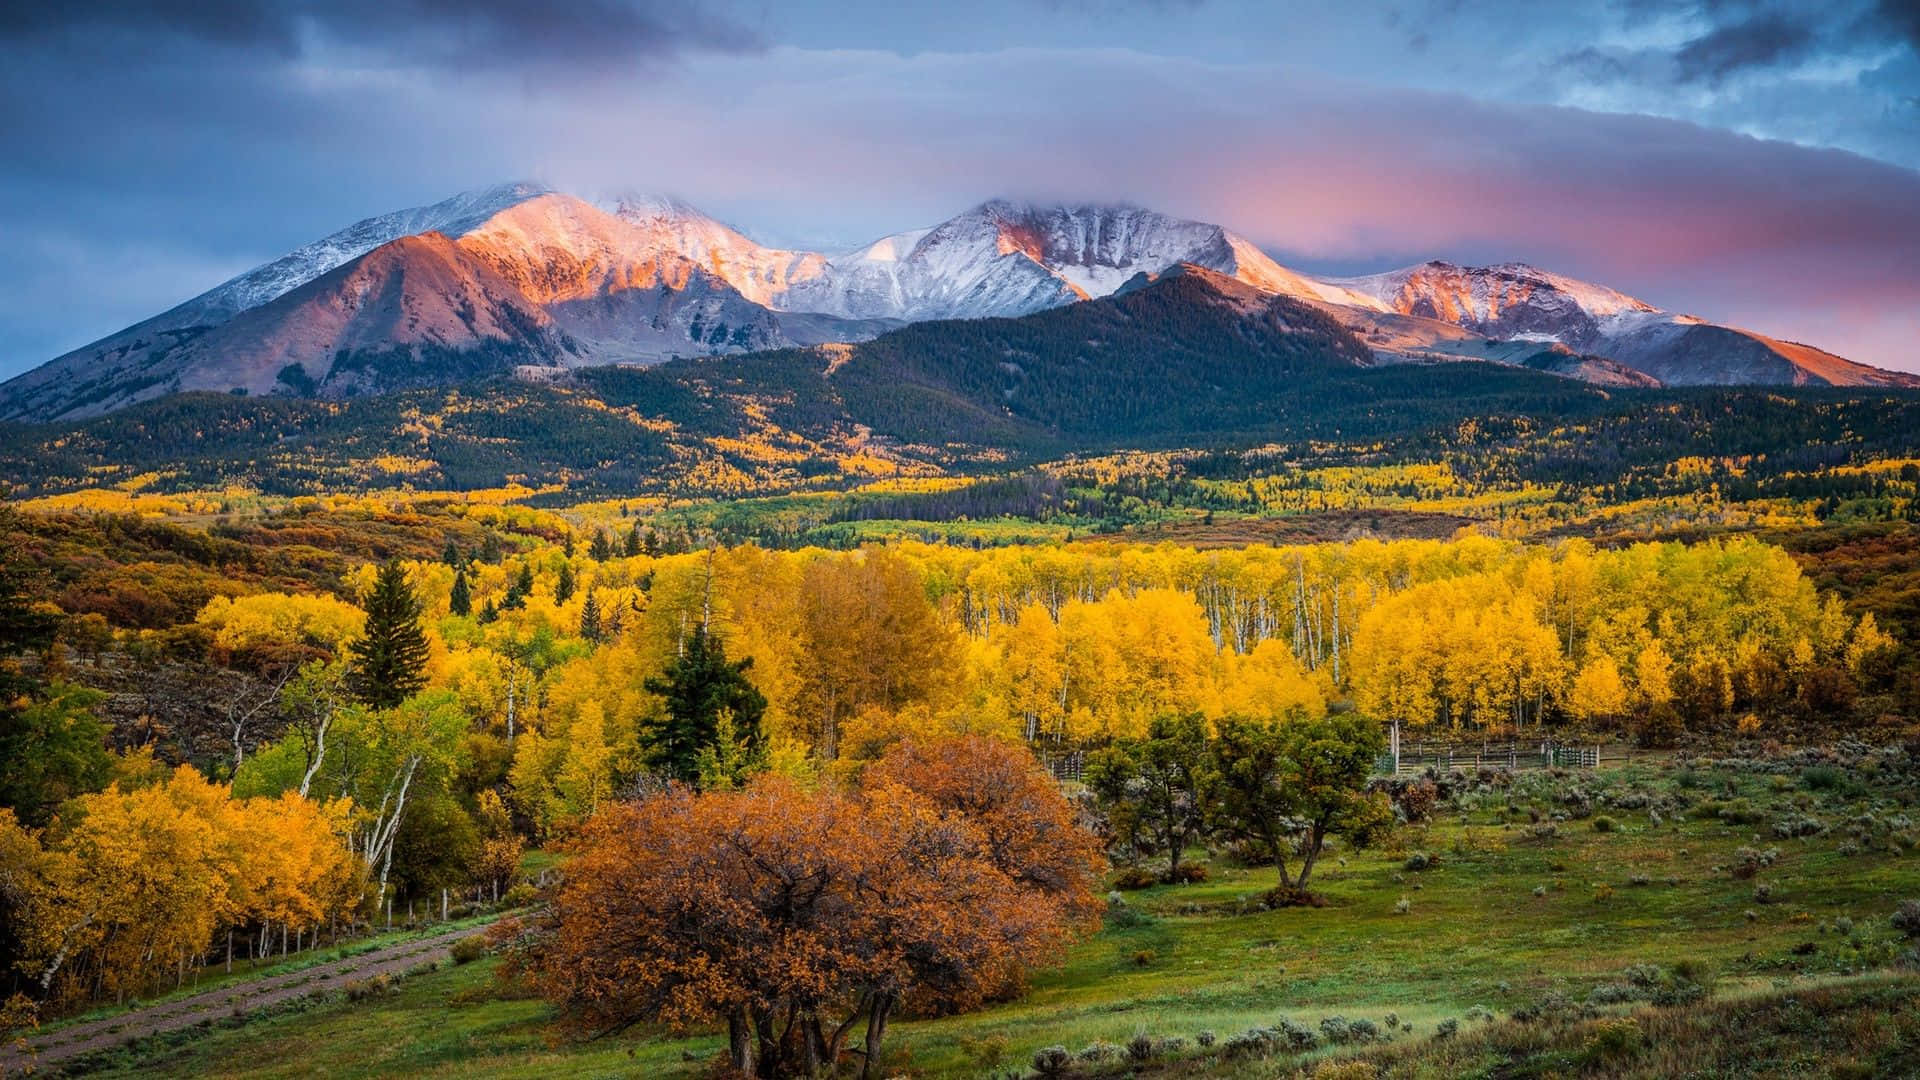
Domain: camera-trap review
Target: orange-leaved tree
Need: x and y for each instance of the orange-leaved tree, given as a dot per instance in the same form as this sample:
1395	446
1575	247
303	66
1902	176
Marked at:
795	915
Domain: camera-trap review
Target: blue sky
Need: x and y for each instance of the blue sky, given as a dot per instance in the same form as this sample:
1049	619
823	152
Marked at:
1748	162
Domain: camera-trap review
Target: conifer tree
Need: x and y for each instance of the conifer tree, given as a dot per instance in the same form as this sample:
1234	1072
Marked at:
590	618
601	549
520	588
633	541
389	660
563	585
460	600
700	686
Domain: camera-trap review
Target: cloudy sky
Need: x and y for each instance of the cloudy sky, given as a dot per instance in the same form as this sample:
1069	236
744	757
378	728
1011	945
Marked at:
1752	162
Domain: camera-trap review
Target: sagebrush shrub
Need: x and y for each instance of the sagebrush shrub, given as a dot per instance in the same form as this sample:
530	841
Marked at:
1052	1061
1446	1029
1247	1044
1098	1051
1645	976
1295	1035
1612	994
1906	918
1141	1048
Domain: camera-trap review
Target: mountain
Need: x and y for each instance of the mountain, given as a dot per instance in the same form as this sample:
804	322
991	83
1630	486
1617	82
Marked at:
1009	258
1189	358
1516	303
521	275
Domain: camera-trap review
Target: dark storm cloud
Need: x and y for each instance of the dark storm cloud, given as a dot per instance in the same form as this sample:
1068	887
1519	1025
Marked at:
424	32
1903	17
1762	41
227	22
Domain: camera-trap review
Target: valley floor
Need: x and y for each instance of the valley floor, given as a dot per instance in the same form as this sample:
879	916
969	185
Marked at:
1509	917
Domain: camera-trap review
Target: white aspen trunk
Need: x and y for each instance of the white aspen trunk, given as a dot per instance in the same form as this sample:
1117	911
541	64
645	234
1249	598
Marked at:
386	827
319	753
1336	634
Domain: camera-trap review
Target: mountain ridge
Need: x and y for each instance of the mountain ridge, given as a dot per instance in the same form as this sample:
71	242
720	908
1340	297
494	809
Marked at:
646	278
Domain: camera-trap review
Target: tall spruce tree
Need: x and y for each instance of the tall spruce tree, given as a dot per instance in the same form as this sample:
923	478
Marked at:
390	659
460	600
590	618
601	549
699	686
564	584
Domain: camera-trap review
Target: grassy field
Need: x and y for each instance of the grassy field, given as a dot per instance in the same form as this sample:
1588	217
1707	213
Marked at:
1515	913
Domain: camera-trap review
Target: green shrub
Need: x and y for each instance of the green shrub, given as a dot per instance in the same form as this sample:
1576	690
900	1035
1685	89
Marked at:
1134	877
1127	917
1612	1040
1603	823
985	1052
469	949
371	987
1188	874
1446	1029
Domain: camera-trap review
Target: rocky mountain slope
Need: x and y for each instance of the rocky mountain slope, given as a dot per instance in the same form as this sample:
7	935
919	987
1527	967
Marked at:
1514	303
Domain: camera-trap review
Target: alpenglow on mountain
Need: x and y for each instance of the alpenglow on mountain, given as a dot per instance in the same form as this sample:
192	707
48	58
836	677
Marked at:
524	276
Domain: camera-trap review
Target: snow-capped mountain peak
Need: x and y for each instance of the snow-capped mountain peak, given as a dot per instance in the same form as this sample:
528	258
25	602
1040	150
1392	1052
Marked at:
263	283
1505	300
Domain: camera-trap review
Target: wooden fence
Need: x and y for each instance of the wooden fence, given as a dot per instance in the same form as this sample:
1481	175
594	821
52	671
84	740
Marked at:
1406	758
1403	758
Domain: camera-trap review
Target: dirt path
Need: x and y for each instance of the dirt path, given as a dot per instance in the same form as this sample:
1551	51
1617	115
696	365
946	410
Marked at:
75	1040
